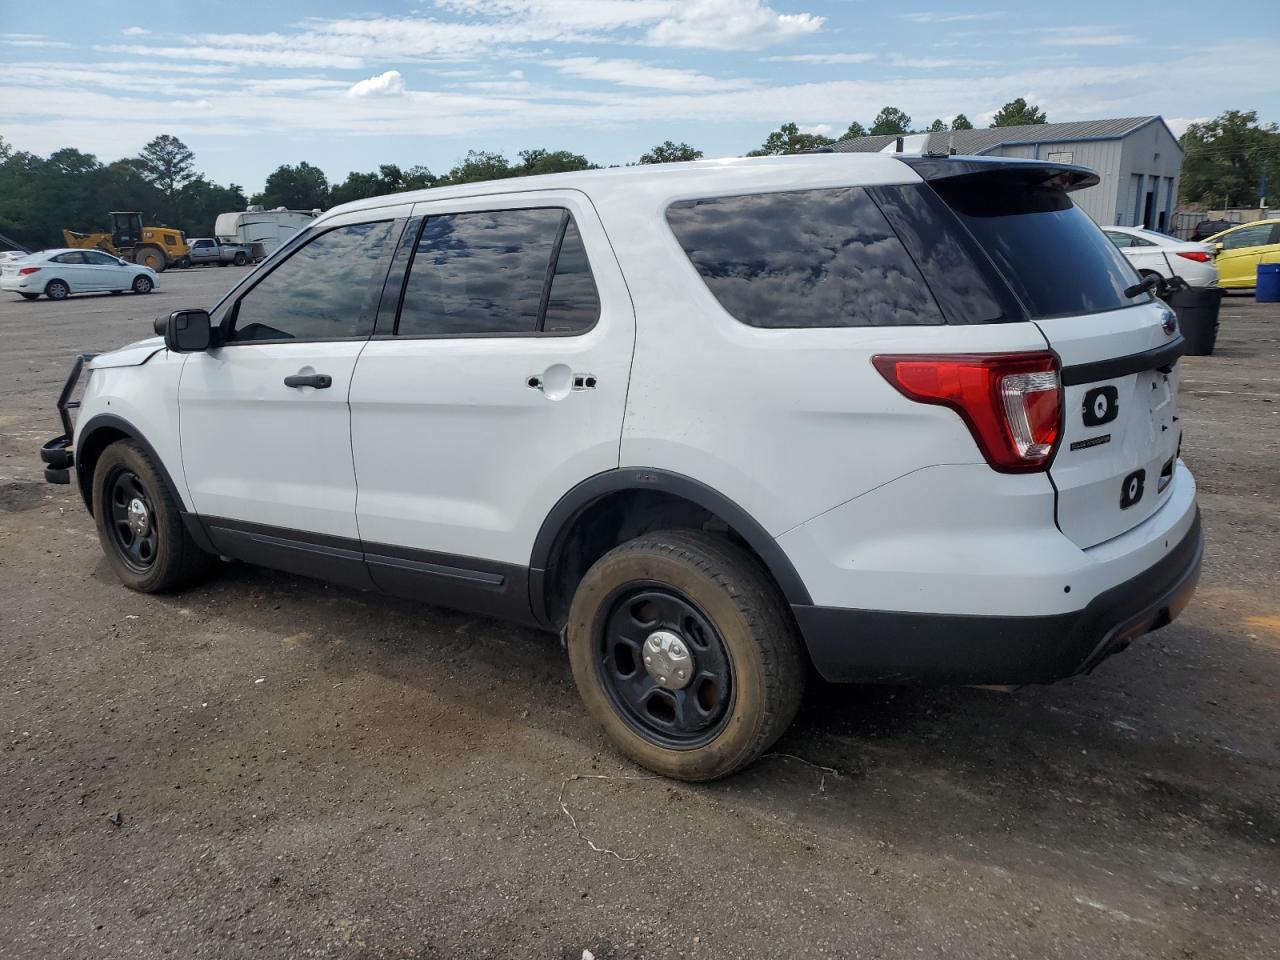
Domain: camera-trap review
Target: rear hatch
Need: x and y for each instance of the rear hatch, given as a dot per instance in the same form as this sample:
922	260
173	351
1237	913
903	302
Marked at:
1120	431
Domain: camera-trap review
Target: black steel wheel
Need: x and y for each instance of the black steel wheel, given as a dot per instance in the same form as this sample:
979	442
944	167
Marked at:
664	666
133	527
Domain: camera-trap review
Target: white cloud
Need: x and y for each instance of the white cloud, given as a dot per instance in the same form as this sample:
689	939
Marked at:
280	56
389	84
1082	37
821	129
935	16
730	25
135	31
824	58
929	63
30	40
1178	125
633	73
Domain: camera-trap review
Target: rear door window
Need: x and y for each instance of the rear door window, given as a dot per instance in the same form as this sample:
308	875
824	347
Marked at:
808	258
1056	260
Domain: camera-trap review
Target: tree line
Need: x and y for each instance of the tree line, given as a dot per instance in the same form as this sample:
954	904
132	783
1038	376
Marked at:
1224	159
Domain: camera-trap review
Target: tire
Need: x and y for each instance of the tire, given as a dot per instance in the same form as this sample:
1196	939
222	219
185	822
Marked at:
151	257
30	296
143	284
164	557
745	659
57	290
239	259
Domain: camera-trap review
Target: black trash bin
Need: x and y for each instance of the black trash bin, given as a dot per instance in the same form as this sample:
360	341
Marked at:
1197	311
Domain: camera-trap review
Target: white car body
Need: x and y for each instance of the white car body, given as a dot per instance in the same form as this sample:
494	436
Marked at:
455	468
1152	252
82	271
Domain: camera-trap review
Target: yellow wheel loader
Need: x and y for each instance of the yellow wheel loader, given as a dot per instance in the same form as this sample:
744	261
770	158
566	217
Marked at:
156	247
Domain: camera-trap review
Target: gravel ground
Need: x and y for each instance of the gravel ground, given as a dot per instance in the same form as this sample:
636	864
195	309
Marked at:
304	771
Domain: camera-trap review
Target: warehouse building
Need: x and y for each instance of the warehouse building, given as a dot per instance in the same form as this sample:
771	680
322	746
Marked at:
1138	159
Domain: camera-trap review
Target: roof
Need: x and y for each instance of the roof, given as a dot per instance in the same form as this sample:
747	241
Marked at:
977	142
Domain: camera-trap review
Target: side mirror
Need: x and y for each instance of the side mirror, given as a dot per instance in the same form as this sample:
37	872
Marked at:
122	261
1219	245
186	331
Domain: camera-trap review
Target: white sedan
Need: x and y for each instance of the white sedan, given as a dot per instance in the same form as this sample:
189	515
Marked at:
1165	256
59	273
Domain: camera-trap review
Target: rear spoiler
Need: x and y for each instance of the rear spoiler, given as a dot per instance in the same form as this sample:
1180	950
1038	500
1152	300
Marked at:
1064	176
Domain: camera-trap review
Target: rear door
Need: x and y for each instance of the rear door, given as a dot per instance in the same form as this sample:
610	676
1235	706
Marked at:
1114	467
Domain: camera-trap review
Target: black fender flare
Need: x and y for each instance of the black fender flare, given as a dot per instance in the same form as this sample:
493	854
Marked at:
594	488
109	421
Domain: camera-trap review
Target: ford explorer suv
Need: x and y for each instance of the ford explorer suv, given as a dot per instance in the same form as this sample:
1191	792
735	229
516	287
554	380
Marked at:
719	423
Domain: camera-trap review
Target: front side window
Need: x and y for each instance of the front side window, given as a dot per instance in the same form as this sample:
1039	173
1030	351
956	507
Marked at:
1254	236
807	258
499	272
326	290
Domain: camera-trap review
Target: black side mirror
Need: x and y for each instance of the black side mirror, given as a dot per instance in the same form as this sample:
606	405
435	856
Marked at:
186	331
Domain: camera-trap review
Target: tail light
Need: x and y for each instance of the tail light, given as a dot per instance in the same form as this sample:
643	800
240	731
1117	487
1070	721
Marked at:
1196	255
1011	402
27	271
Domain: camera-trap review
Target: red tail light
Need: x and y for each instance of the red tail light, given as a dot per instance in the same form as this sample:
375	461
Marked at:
27	271
1197	256
1011	402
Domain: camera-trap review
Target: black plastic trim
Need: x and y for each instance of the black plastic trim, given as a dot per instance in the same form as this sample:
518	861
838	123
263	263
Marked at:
1071	176
880	646
580	497
1165	355
133	433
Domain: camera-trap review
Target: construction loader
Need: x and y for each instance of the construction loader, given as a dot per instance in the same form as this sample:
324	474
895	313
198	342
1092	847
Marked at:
156	247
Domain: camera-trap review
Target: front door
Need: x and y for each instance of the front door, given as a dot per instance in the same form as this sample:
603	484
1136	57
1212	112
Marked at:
104	272
1240	254
499	387
266	441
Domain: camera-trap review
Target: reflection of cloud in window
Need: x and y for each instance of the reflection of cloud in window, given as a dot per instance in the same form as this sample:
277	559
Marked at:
803	259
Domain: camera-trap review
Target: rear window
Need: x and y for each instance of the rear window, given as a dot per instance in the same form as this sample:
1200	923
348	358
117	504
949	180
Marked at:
805	258
1056	260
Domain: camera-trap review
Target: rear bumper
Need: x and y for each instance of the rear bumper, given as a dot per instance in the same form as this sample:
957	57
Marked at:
876	646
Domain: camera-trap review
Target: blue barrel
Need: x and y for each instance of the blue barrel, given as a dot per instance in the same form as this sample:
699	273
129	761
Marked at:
1268	288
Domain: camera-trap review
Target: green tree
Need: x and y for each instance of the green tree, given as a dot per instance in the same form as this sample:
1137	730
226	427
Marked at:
1224	158
419	177
1018	113
936	127
533	162
669	152
200	202
169	164
480	165
855	130
303	187
788	139
892	121
961	122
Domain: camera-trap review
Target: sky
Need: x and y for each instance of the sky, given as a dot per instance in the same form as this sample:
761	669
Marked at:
347	86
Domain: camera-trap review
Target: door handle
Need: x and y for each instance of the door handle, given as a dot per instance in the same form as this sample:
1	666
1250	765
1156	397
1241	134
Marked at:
320	381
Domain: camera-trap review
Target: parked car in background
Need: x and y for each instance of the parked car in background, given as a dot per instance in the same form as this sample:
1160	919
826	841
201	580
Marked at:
8	256
1242	248
206	251
61	272
1207	228
1165	256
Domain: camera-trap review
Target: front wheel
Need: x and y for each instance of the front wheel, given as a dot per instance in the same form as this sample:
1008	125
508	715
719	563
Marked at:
139	526
683	649
143	284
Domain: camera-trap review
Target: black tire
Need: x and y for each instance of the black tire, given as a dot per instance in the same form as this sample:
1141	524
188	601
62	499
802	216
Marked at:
735	613
240	259
143	284
57	290
163	557
30	296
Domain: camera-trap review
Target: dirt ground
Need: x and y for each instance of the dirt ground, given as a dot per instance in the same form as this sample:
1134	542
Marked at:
304	771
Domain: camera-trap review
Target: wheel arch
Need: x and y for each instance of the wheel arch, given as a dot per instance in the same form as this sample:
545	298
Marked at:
99	433
587	521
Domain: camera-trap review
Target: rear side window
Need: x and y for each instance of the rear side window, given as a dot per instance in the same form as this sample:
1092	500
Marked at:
1056	260
326	290
498	272
808	258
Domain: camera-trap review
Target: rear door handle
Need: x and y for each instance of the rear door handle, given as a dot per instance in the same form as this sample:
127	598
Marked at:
321	381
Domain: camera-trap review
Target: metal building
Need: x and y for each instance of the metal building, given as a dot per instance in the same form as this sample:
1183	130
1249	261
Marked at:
1138	159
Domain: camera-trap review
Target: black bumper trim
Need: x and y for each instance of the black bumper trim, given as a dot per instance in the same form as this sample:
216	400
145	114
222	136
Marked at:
880	646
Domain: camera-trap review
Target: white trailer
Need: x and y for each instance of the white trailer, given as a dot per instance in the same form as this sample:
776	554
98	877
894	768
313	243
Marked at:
269	228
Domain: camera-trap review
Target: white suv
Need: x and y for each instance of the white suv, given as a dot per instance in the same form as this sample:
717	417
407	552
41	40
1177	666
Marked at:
716	421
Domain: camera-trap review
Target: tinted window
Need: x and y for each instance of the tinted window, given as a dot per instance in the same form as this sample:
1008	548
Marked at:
962	280
812	258
480	273
328	288
76	257
1050	253
1121	240
99	259
573	304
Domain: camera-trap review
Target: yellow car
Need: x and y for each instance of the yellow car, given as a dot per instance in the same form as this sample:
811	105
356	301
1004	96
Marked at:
1242	248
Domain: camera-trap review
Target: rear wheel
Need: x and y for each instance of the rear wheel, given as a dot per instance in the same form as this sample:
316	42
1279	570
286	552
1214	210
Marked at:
684	651
143	284
139	525
240	259
56	290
